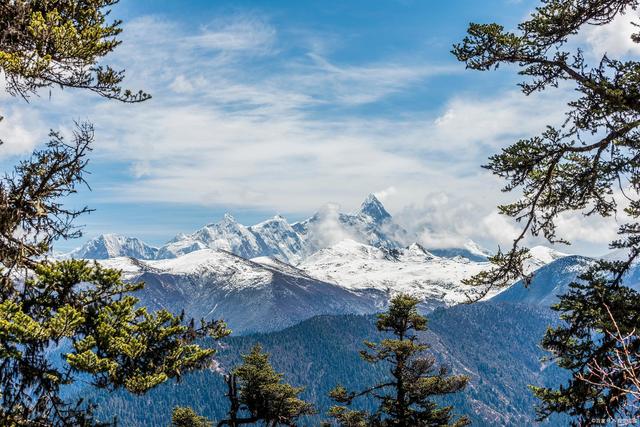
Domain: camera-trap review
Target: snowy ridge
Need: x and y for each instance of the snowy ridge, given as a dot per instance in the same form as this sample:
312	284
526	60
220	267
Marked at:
249	296
541	256
274	274
371	224
278	239
412	270
228	235
111	246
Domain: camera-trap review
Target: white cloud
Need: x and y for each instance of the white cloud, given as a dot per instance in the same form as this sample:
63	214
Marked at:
328	230
499	120
240	33
234	133
613	39
354	85
383	195
444	220
20	132
591	229
181	85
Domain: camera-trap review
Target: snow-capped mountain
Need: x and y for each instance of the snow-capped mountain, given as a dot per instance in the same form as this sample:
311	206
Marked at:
228	235
553	279
249	296
274	274
414	270
113	245
371	225
540	256
274	237
291	243
470	250
278	239
549	281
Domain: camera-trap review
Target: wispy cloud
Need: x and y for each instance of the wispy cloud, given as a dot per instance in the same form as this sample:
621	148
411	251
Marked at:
240	118
239	34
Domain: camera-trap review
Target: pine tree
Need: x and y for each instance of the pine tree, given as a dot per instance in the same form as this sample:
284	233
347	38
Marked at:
257	394
58	43
576	167
406	399
73	310
187	417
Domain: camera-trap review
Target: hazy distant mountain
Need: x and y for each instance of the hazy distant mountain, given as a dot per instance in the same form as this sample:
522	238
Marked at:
113	245
553	280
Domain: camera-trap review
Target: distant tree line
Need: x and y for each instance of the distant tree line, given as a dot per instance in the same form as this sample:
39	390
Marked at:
257	394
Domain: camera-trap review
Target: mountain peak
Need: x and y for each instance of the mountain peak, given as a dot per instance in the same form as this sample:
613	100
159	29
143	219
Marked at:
110	245
228	218
373	208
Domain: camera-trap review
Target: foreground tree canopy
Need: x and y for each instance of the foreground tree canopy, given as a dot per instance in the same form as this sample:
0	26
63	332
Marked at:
257	394
46	43
407	397
60	321
187	417
589	164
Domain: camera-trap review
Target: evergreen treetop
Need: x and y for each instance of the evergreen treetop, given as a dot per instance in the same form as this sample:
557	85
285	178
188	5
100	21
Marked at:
407	397
258	394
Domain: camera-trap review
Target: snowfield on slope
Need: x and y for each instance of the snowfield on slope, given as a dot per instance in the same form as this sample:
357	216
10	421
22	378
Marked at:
413	270
225	270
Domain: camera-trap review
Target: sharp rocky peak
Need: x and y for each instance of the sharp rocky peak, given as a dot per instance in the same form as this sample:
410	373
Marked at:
374	209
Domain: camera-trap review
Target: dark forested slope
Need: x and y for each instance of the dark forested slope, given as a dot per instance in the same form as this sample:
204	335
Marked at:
494	343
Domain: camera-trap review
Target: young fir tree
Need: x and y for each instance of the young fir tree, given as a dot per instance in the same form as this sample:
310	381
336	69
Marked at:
577	167
406	398
187	417
71	307
257	394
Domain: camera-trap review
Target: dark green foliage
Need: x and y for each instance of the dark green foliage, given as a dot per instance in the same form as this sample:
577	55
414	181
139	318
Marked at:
257	394
186	417
48	43
495	344
45	304
577	166
110	341
117	344
591	308
406	398
574	167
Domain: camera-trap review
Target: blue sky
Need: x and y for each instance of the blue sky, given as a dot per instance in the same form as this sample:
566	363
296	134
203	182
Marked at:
263	108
